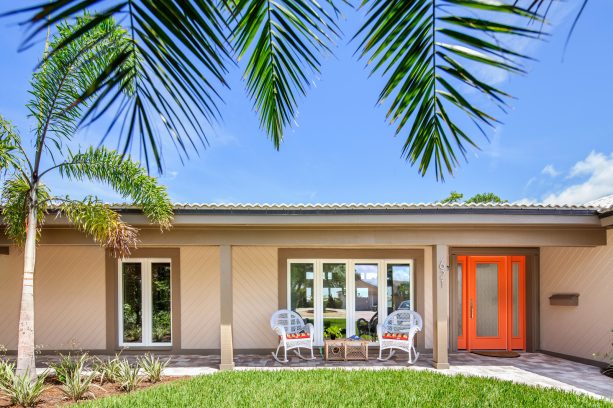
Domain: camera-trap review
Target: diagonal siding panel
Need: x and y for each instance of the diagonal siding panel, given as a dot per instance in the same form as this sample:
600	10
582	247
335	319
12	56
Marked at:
11	269
584	329
200	297
255	296
70	297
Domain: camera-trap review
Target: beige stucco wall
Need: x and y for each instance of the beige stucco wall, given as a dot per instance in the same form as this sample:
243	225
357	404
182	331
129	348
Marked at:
255	295
200	282
584	329
69	297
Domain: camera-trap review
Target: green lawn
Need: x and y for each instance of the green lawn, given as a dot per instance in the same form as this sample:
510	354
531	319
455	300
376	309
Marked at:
344	388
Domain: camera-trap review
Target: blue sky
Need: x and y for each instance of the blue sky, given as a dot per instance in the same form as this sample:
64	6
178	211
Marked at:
555	143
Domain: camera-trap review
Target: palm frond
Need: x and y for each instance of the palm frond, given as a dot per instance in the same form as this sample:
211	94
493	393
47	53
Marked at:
124	176
285	40
180	53
430	52
9	145
14	202
62	84
99	221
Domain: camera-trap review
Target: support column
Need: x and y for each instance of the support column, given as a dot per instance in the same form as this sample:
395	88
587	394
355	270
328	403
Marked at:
440	309
227	350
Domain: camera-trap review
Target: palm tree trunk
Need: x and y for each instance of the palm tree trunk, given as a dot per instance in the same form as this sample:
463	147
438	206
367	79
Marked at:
26	346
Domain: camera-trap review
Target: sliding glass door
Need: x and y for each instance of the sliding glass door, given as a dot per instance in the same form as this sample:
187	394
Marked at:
144	287
345	295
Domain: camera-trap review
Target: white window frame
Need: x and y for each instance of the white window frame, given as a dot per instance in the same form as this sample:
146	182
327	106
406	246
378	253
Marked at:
382	265
146	301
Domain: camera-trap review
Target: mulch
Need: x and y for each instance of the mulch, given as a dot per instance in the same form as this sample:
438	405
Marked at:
54	396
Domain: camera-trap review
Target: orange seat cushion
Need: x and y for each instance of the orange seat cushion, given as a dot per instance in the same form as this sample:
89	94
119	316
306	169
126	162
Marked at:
301	335
396	336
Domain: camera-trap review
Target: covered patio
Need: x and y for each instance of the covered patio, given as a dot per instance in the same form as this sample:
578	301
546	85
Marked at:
530	368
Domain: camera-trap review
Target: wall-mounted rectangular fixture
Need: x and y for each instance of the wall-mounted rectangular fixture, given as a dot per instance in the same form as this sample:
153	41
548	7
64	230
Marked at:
4	250
564	299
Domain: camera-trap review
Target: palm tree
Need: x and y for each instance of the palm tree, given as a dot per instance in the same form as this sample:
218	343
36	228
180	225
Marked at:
430	52
56	107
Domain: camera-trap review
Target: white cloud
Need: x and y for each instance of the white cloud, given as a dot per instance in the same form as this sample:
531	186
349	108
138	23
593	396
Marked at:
596	170
550	170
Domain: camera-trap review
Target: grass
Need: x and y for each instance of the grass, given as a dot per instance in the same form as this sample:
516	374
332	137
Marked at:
340	388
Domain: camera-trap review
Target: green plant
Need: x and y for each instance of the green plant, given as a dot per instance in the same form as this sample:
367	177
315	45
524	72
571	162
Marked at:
107	370
67	365
61	90
7	370
333	332
76	383
128	376
23	390
153	367
433	55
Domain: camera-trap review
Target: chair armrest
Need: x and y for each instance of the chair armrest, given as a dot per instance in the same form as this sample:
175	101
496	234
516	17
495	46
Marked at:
308	328
280	330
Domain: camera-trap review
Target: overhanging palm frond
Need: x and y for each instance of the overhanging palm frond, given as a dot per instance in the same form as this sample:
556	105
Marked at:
62	84
99	221
181	55
14	202
285	39
429	51
9	145
125	177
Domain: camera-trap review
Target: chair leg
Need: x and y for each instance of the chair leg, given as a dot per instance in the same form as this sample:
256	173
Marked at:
275	354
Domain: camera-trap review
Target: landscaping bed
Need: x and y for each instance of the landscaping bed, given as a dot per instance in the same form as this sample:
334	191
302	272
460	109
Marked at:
54	397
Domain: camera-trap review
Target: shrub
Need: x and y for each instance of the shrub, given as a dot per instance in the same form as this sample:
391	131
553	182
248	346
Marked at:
107	370
77	384
67	365
21	390
128	376
7	371
153	367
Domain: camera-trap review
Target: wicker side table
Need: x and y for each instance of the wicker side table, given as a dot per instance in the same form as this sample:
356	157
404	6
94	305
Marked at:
344	350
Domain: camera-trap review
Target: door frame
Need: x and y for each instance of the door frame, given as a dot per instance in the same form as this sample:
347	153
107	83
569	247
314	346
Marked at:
532	291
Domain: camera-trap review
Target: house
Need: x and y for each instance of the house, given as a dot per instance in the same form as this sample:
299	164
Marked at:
483	276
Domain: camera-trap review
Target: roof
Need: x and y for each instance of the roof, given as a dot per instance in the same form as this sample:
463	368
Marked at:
379	208
604	203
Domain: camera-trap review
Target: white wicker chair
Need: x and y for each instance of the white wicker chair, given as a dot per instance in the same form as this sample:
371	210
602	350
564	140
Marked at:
398	331
293	334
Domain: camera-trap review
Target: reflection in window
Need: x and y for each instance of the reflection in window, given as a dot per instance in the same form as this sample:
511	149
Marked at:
334	295
366	300
301	290
160	302
399	287
132	303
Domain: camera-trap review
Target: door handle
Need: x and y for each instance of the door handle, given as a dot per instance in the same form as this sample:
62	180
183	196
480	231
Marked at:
471	308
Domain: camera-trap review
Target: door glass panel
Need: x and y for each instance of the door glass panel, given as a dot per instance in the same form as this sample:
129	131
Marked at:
459	302
334	296
302	278
487	299
132	283
160	303
515	298
398	287
366	300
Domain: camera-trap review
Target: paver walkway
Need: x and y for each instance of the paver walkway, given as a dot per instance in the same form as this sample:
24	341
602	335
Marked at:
530	368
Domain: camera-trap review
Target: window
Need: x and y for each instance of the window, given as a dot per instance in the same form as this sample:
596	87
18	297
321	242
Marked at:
145	317
351	294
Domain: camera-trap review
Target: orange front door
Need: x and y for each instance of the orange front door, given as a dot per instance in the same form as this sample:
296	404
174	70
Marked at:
492	293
